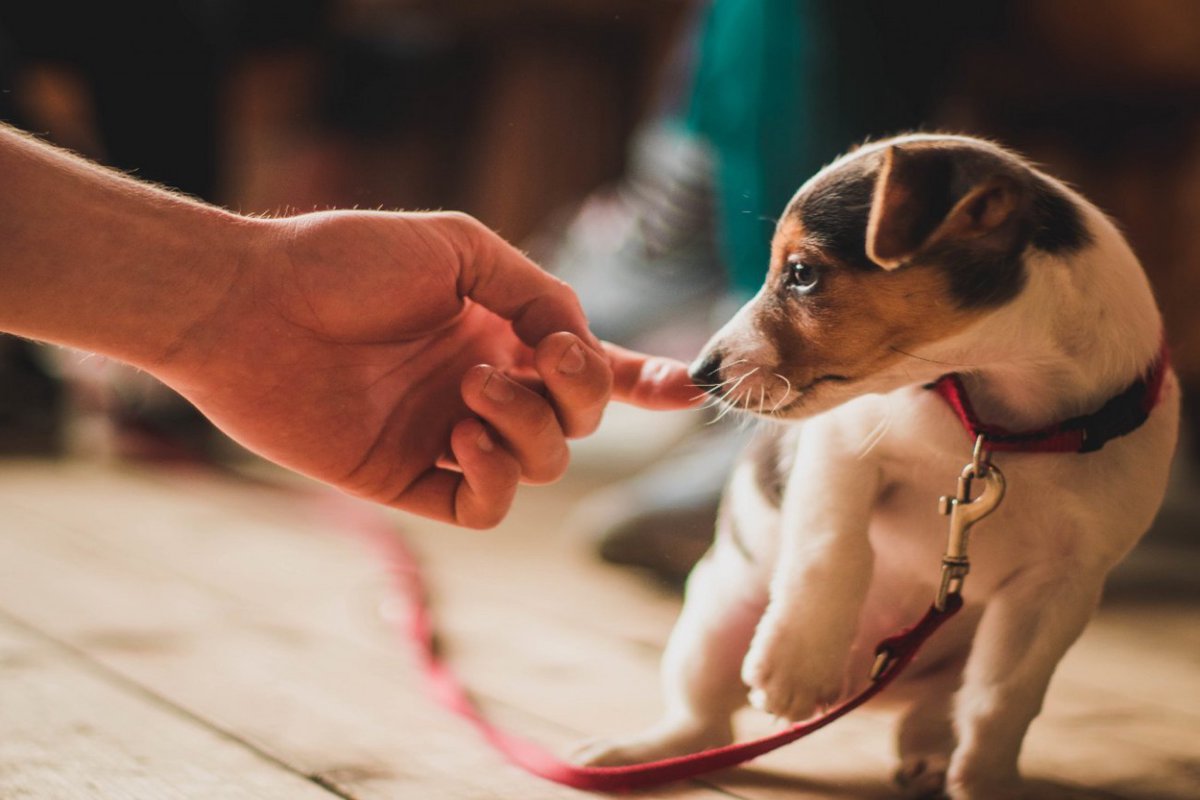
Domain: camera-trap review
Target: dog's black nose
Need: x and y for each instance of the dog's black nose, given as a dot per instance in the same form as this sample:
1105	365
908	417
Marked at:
707	373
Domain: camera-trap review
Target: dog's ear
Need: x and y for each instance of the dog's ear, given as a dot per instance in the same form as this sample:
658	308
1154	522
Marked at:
922	198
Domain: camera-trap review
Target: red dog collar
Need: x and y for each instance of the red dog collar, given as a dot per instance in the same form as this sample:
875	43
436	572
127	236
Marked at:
1122	414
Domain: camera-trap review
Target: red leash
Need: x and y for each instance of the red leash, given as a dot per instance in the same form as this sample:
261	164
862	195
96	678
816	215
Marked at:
893	655
1119	416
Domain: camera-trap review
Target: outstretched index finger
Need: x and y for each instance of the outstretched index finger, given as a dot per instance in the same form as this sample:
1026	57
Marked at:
653	382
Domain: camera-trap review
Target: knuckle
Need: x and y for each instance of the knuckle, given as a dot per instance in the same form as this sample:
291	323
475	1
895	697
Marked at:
549	468
584	426
486	519
532	422
579	408
461	219
591	387
559	295
472	234
562	292
546	425
581	415
484	514
597	391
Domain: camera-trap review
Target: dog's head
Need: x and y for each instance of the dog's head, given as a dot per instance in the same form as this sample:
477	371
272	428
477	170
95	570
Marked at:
897	245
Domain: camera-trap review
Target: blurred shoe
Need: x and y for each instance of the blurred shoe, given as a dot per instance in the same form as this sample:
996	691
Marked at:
644	259
643	256
114	412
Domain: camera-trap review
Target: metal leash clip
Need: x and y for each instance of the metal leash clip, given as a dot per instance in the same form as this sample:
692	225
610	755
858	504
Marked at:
965	512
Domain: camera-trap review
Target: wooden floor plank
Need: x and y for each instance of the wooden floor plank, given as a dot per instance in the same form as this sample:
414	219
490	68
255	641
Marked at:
560	646
550	665
353	716
69	732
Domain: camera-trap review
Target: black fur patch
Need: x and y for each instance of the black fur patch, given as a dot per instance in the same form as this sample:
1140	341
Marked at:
981	279
1054	224
834	211
1058	224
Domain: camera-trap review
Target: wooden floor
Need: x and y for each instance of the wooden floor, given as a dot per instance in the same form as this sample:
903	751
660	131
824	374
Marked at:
174	634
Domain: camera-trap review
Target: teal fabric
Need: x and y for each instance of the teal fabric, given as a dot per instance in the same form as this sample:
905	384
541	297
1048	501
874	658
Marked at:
756	99
781	87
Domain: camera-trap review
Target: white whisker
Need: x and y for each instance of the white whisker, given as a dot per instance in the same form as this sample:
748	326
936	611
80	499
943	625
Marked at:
877	433
731	399
786	392
709	387
733	389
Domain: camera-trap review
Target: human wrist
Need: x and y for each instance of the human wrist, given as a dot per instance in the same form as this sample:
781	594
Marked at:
98	261
199	278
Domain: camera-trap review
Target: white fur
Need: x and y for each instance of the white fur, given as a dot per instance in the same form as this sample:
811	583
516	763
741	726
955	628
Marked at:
853	554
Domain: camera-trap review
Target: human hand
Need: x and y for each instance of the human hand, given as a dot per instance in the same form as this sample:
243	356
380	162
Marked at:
416	360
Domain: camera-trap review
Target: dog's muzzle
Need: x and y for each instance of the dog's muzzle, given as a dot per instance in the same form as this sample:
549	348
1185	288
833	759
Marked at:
706	374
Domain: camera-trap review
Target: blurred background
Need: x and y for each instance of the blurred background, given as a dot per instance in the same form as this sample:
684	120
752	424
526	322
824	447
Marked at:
640	148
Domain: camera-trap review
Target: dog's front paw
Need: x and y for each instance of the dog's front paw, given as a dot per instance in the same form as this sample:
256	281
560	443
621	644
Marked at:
665	740
923	777
790	676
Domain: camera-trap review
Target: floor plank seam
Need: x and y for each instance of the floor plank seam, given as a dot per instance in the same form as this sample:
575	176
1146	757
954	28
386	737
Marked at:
1128	676
117	678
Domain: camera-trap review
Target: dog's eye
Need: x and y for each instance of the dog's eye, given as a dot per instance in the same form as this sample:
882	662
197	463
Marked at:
801	278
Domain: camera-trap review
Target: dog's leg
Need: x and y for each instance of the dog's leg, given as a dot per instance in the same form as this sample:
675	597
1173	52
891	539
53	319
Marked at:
798	659
1026	628
925	735
700	666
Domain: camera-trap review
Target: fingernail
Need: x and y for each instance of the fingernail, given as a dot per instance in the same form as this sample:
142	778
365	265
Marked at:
485	442
572	361
497	388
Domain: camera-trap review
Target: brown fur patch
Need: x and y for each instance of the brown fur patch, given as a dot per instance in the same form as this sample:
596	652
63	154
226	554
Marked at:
953	219
790	230
916	204
856	321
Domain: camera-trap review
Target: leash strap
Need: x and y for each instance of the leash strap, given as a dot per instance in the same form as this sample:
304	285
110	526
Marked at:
892	656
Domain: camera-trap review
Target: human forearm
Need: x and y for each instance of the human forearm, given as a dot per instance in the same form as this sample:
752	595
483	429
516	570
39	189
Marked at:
96	260
360	348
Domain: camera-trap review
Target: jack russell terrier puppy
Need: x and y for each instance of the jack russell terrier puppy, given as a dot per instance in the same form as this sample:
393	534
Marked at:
903	261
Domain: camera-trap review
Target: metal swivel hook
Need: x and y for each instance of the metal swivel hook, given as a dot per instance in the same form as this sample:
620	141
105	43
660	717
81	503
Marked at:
965	512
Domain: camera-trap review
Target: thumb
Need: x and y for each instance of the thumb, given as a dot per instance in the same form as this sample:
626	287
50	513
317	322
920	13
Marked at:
653	382
501	278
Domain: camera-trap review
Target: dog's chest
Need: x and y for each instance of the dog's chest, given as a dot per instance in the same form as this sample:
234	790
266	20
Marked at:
907	532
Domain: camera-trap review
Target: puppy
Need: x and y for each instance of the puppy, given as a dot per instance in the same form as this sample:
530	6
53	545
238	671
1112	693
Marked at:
902	261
